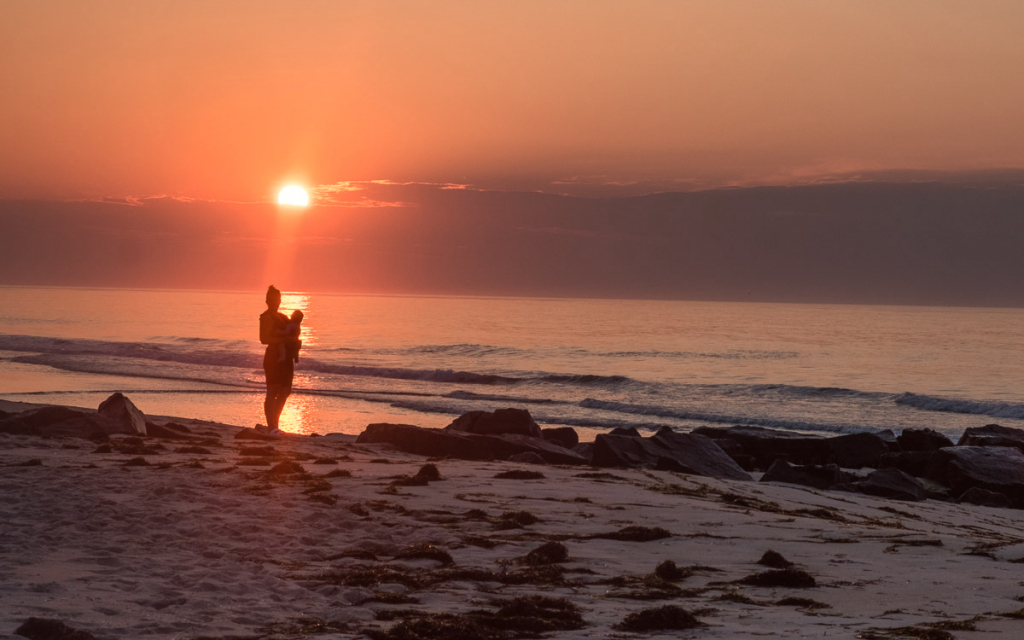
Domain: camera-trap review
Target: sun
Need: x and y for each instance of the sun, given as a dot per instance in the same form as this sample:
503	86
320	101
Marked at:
293	195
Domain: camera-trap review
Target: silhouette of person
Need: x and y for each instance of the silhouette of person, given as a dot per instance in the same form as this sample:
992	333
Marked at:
278	372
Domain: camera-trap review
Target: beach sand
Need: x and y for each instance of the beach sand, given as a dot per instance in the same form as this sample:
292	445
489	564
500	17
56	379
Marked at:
163	539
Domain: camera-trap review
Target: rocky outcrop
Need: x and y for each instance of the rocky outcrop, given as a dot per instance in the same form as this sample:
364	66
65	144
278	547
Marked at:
562	436
500	422
999	469
765	446
888	483
812	475
984	498
913	463
992	435
122	416
857	450
923	440
466	446
171	430
668	450
53	422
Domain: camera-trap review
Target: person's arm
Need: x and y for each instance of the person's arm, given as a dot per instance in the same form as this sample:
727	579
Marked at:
270	332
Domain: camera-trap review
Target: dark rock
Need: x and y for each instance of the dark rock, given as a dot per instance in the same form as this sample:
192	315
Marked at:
465	446
562	436
857	450
774	560
500	422
888	483
999	469
765	446
53	422
992	435
792	578
252	434
585	450
911	462
169	430
47	629
527	457
684	452
817	476
122	415
984	498
625	431
669	616
923	440
890	440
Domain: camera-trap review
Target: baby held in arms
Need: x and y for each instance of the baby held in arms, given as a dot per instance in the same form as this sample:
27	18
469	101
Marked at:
289	347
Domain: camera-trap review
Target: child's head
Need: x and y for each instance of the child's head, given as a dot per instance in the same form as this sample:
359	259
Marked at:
297	316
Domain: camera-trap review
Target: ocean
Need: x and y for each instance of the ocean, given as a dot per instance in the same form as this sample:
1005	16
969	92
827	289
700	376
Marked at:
590	364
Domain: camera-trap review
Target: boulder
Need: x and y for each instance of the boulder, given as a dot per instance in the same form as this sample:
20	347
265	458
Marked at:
465	446
992	435
911	462
888	483
857	450
122	416
562	436
890	440
813	475
765	446
625	431
923	440
500	422
984	498
999	469
666	449
584	449
52	422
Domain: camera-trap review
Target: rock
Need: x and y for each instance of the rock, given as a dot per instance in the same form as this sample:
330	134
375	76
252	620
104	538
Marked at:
999	469
765	446
169	430
857	450
923	440
528	457
465	446
625	431
123	416
500	422
585	450
992	435
562	436
888	483
984	498
890	440
52	422
911	462
666	449
48	629
817	476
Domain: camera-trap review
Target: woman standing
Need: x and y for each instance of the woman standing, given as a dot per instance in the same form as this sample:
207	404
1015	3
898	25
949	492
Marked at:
279	371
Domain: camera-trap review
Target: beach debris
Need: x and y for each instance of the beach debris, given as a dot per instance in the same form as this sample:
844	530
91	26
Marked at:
136	462
193	449
634	533
792	578
520	474
324	498
774	560
923	440
34	462
642	587
562	436
667	450
515	520
668	571
49	629
103	448
122	416
338	473
285	468
325	461
669	616
425	551
257	451
802	603
428	473
499	422
816	476
547	553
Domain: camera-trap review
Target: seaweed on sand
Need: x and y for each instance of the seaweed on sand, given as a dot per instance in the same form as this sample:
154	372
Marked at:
428	473
521	617
792	578
426	552
666	617
545	554
520	474
803	603
774	560
515	520
634	533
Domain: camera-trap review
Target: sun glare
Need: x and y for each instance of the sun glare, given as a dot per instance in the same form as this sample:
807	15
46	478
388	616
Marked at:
295	196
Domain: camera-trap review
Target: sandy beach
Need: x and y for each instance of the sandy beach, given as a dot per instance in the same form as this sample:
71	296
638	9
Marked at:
303	536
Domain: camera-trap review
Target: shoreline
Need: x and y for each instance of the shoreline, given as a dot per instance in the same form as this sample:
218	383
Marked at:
206	539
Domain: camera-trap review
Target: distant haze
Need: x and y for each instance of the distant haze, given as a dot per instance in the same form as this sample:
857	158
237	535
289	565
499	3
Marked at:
903	243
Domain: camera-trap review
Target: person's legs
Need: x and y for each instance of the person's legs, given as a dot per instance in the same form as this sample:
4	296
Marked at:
277	395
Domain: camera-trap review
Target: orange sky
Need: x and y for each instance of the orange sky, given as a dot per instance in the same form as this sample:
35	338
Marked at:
227	100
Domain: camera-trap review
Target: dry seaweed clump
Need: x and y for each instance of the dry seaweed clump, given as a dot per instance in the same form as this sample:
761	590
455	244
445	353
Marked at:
547	553
338	473
286	468
669	572
802	603
907	633
520	474
516	520
793	578
426	552
46	628
669	616
635	533
774	560
428	473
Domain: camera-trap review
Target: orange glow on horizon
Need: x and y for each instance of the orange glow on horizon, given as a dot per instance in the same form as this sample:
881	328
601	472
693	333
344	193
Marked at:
293	195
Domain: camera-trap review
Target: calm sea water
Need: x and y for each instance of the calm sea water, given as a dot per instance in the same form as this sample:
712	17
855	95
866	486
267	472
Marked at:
590	364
